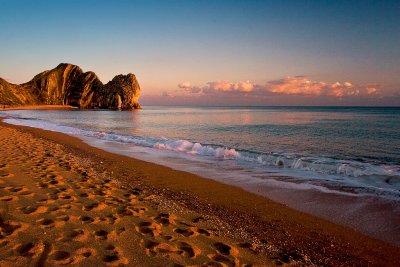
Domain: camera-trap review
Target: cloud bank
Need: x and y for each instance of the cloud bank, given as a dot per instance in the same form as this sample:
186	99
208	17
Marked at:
288	91
289	86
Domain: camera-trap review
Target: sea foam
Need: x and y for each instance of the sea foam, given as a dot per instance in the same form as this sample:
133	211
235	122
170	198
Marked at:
188	147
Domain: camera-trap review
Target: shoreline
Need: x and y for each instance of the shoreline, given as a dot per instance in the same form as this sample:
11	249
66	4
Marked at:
36	107
296	235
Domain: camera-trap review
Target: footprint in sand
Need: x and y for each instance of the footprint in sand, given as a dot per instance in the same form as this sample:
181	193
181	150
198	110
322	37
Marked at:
66	206
148	228
112	201
225	254
53	182
3	166
191	231
124	211
46	222
86	252
188	249
224	260
42	185
203	232
27	193
167	237
111	219
86	219
138	211
64	218
8	198
32	250
113	257
45	201
14	189
150	245
285	258
65	196
90	206
25	249
53	196
8	227
153	248
5	174
101	234
165	219
83	195
60	257
33	209
185	232
225	249
73	235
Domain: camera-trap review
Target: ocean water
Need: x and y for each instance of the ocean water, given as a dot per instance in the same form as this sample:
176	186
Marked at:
348	151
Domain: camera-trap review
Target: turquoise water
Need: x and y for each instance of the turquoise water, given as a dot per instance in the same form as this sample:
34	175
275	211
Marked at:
349	147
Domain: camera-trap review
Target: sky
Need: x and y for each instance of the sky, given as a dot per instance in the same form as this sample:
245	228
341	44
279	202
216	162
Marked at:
214	52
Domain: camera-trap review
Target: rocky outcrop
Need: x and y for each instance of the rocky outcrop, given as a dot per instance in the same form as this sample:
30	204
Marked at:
67	84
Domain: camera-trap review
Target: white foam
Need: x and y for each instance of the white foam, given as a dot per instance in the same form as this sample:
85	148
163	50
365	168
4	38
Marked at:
197	149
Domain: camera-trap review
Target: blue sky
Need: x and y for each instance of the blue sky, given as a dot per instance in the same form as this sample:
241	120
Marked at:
203	43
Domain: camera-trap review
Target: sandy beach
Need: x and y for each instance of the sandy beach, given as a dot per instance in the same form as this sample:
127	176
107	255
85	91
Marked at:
37	107
64	202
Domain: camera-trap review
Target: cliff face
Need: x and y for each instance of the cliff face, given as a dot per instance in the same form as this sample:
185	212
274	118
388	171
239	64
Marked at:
67	84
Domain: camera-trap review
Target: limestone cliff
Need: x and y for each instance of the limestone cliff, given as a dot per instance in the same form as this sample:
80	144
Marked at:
67	84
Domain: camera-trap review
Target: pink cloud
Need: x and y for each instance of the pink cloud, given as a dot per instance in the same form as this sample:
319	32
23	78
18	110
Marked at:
218	87
195	90
372	90
189	88
227	86
296	85
245	86
301	85
185	85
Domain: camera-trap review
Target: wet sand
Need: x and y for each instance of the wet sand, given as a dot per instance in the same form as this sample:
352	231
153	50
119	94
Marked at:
65	202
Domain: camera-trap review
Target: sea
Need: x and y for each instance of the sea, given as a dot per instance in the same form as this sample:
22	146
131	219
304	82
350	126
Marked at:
338	163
